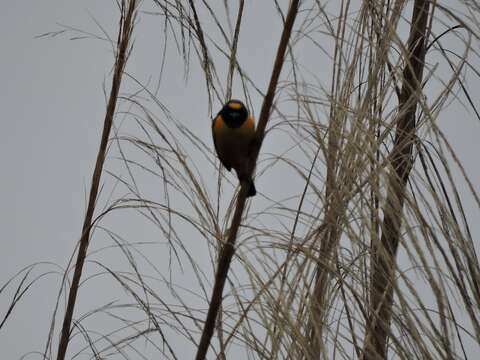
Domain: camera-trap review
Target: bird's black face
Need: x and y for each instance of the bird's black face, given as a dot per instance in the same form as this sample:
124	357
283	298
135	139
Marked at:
234	113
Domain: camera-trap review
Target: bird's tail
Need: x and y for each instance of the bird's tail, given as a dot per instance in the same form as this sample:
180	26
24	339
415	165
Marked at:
249	182
251	190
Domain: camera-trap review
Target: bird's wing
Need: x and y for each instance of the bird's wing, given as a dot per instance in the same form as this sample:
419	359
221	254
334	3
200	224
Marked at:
218	118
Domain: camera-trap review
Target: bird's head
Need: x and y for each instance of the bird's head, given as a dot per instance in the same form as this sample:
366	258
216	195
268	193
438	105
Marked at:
234	113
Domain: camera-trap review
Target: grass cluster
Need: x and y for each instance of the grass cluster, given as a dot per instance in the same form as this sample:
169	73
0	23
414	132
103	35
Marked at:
367	252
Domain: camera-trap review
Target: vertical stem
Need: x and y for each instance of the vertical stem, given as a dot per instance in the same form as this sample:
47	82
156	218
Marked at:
384	252
233	53
328	237
228	249
126	26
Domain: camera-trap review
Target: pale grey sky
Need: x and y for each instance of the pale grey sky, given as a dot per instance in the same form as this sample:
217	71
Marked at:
52	106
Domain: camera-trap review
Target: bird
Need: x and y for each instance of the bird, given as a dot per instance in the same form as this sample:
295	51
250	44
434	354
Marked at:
233	132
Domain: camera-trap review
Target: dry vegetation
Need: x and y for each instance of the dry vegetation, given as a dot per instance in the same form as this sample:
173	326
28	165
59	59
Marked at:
366	254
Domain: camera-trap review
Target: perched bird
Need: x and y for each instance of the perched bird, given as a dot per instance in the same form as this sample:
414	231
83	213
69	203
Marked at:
233	132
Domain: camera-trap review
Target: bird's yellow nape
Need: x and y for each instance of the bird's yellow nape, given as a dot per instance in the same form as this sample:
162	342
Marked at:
234	105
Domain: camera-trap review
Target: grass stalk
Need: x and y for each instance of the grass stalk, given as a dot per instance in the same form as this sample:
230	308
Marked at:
384	252
124	35
228	249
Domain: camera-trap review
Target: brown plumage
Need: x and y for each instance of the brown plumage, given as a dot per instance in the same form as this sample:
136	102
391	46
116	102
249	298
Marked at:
233	131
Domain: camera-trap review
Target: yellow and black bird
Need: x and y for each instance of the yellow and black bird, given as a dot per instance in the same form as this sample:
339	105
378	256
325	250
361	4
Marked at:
233	132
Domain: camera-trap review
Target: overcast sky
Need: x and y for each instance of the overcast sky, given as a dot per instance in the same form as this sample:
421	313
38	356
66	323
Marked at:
52	104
